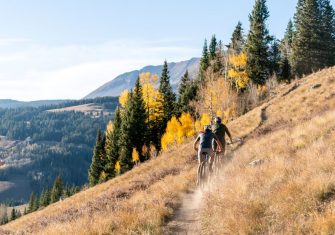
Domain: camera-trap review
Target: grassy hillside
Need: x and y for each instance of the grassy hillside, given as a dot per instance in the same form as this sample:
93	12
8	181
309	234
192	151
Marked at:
291	192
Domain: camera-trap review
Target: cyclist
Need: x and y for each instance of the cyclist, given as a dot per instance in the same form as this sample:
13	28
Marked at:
220	129
206	140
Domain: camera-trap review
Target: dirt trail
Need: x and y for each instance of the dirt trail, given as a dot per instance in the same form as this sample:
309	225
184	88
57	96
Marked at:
187	218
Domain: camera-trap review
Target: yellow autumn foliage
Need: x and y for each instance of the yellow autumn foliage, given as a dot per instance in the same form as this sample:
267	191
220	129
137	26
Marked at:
123	98
135	156
118	168
216	97
237	71
178	130
204	120
109	127
153	99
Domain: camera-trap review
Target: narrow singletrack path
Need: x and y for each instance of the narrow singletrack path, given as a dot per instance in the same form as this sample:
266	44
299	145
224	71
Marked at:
186	220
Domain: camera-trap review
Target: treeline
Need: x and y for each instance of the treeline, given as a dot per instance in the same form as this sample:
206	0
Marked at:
66	127
230	81
107	102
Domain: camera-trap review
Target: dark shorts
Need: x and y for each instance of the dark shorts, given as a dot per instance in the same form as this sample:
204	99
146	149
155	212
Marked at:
202	154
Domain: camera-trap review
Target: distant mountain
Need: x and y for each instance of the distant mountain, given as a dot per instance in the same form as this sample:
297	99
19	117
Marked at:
8	103
127	80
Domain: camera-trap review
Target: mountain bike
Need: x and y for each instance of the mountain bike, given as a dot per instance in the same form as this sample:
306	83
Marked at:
204	174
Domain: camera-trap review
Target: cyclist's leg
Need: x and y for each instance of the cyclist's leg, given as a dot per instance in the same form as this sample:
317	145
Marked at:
201	159
211	156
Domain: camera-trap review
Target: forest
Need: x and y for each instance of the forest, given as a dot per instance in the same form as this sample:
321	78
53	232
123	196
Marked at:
50	144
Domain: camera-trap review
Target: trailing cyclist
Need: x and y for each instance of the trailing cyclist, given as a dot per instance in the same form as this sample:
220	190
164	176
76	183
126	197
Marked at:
206	140
220	129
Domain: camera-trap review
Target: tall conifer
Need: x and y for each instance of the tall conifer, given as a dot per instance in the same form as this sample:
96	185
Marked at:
307	39
112	146
257	43
237	40
97	164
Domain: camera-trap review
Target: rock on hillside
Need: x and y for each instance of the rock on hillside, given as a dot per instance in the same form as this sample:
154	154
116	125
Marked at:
127	80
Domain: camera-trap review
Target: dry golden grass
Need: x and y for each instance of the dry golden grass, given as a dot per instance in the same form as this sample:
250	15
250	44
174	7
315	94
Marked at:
137	202
293	191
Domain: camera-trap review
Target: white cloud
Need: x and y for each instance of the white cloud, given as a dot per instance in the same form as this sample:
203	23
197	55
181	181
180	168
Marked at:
72	71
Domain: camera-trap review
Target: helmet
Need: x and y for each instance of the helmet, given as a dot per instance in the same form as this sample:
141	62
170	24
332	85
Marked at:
217	119
207	128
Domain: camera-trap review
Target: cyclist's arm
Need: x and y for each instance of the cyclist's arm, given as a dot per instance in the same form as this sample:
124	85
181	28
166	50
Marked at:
195	147
228	133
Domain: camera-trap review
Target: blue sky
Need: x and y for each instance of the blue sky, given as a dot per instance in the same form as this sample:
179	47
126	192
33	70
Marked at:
66	49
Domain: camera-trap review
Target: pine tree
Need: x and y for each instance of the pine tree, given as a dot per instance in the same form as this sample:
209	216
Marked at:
307	39
112	146
140	130
288	37
213	48
237	39
285	68
204	63
257	43
97	165
57	190
327	46
45	198
184	83
274	57
13	214
169	98
217	64
32	203
126	135
187	93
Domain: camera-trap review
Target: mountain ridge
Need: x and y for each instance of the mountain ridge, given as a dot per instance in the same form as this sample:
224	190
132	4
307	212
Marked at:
127	80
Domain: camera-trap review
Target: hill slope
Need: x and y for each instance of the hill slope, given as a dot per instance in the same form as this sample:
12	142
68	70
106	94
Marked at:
127	80
292	191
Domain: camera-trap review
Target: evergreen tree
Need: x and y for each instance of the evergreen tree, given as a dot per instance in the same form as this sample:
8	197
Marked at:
184	83
140	130
45	198
213	48
187	93
97	165
218	66
288	37
13	214
133	128
285	73
307	39
257	44
237	39
204	63
126	135
328	33
274	57
112	146
32	203
169	98
57	190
